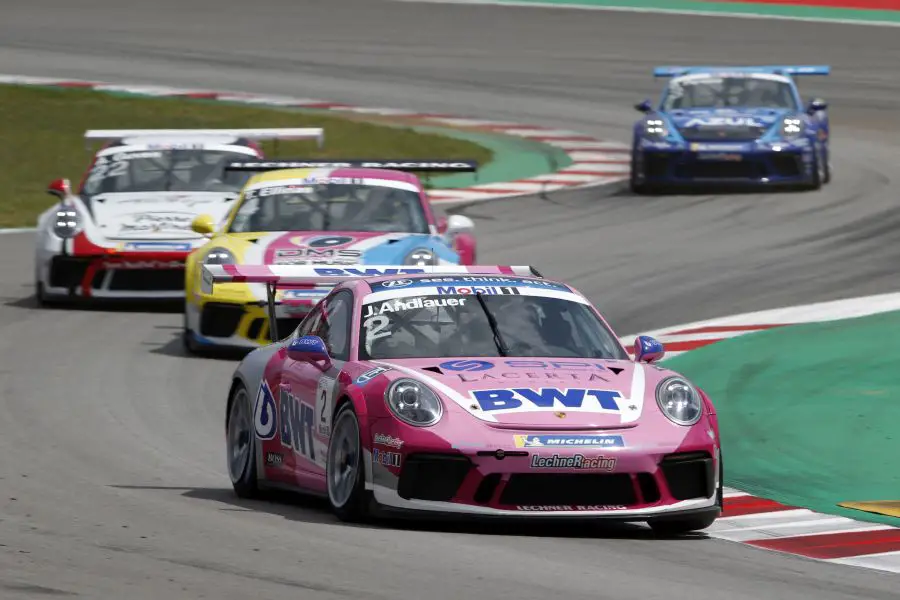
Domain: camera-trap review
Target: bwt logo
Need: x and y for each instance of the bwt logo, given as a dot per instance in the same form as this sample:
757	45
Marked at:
524	399
467	365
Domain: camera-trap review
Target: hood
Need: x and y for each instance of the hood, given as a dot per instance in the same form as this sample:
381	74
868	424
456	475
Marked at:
156	215
336	247
725	124
540	393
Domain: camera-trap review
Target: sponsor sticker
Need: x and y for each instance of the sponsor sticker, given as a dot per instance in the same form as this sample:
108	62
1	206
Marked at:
388	459
158	246
388	440
547	398
578	462
399	305
369	376
486	291
720	157
274	459
554	365
569	441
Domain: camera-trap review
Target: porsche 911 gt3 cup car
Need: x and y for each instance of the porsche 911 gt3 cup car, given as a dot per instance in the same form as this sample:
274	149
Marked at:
350	212
468	391
731	125
126	231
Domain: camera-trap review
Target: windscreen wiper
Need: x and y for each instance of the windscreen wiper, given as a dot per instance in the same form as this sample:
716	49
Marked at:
498	339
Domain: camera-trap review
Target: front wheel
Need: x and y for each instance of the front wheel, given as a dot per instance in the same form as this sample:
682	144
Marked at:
344	469
241	445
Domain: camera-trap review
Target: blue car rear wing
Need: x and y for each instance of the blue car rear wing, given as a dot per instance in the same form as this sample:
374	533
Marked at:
676	71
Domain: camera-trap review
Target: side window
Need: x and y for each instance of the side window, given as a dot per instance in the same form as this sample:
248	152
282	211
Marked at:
334	326
309	325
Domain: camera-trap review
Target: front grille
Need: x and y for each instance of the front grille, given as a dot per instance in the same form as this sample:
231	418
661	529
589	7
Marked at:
486	488
689	475
435	477
67	272
656	166
713	169
568	489
143	280
649	488
220	320
714	134
787	165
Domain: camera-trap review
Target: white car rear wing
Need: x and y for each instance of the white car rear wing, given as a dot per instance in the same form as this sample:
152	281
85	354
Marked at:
297	133
312	275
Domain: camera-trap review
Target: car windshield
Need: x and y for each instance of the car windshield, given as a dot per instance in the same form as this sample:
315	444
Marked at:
166	170
341	204
727	92
438	326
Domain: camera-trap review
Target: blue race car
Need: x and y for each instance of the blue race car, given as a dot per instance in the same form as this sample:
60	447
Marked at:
731	125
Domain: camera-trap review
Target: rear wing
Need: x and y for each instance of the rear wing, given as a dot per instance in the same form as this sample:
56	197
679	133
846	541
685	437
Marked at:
315	275
424	166
676	71
296	133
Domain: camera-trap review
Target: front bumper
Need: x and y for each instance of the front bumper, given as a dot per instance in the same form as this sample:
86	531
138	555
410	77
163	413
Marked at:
115	276
642	485
218	321
708	163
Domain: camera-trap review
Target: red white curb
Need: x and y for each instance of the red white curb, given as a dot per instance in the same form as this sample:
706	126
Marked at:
595	162
767	524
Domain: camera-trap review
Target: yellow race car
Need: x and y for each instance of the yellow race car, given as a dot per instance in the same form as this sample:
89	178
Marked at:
349	213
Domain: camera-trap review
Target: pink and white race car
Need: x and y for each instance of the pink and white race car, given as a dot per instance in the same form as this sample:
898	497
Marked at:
468	391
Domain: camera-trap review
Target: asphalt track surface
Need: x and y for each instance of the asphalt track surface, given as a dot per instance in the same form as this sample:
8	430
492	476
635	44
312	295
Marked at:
112	470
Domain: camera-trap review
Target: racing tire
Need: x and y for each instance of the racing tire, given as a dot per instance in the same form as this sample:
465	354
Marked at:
345	477
45	301
818	174
240	444
636	188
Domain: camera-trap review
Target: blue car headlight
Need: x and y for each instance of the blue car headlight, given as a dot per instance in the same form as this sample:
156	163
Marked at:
655	129
791	128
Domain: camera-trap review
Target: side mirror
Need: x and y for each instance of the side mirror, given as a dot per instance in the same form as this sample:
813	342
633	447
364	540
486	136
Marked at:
442	225
204	225
647	349
61	188
311	349
816	105
643	107
459	224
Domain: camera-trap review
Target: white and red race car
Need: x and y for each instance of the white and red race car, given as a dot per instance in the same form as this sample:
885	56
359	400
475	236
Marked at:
126	231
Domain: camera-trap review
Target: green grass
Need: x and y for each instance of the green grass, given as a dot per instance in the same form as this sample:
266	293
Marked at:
42	129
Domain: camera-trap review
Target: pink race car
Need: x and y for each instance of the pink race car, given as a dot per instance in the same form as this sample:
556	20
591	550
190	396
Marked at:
477	391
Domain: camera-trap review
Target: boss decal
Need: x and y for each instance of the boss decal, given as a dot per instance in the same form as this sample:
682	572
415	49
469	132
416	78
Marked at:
264	412
297	423
547	398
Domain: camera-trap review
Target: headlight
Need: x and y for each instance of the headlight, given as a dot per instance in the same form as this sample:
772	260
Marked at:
791	128
679	401
67	222
413	403
219	256
420	257
655	128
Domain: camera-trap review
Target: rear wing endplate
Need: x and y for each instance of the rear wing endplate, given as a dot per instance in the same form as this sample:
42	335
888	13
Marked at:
675	71
313	275
425	166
